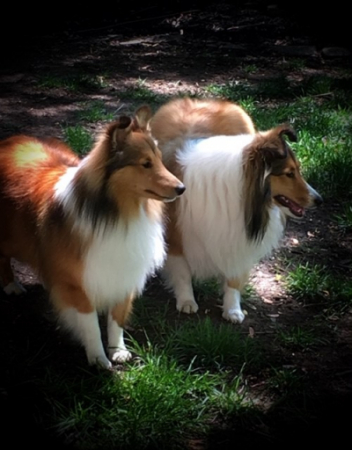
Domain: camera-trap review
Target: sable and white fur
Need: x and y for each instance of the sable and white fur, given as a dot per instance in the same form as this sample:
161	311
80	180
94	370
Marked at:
92	229
241	186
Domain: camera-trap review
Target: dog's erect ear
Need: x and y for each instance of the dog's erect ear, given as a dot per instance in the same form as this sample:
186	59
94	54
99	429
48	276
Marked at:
286	130
275	146
142	117
119	130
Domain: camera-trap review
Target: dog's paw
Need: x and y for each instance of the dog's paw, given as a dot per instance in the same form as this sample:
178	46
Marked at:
120	355
234	315
187	306
14	288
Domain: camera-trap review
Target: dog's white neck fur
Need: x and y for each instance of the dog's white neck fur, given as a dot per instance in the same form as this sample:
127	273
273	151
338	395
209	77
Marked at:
121	256
211	209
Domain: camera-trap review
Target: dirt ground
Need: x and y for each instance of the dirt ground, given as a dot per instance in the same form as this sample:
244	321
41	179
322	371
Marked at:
184	49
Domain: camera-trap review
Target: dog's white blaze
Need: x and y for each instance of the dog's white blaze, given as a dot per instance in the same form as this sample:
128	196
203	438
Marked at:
211	210
121	258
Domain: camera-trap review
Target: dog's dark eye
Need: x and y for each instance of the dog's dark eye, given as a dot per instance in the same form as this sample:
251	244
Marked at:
290	174
147	165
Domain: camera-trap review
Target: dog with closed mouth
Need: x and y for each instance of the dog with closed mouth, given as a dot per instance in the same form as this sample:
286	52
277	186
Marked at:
242	185
92	228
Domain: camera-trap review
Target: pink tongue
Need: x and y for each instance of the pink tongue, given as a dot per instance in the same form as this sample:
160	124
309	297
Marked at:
295	209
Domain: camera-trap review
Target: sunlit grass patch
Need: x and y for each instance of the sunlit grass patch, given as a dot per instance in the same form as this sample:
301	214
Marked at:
139	92
154	403
78	138
213	346
315	283
95	111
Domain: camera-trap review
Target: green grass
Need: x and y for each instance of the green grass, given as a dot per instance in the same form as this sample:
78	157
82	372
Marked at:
344	218
316	283
75	83
213	346
287	382
140	93
153	403
95	111
78	138
299	338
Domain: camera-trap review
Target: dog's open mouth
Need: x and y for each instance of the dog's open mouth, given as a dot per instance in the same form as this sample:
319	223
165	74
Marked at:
294	208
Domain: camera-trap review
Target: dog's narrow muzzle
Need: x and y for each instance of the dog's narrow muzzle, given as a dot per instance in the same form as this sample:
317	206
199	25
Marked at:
318	200
316	197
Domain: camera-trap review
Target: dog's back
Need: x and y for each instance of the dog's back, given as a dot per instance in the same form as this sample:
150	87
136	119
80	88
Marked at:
187	118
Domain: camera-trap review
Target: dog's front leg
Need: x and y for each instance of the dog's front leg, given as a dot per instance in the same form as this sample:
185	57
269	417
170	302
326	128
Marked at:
116	320
81	318
178	277
232	299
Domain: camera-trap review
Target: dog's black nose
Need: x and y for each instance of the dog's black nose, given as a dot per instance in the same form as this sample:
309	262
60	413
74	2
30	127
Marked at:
180	189
318	200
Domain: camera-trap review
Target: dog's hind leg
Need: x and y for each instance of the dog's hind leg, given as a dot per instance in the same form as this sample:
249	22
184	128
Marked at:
7	279
232	299
116	320
178	277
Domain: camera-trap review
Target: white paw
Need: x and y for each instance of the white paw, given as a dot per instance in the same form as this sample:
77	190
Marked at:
100	361
187	306
234	315
120	355
14	288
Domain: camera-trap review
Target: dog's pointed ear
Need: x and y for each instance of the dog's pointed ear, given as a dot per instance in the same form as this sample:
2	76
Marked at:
142	118
118	132
287	130
275	146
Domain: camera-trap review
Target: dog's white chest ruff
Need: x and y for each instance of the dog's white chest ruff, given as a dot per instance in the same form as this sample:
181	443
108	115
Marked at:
120	259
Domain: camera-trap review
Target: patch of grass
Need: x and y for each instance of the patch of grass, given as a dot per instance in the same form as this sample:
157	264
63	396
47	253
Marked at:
233	90
316	283
286	381
205	289
344	219
94	112
294	63
150	315
75	82
152	404
140	93
298	338
78	138
213	346
250	68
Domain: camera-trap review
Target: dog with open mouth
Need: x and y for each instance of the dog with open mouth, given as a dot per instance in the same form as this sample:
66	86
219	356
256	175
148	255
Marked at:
242	185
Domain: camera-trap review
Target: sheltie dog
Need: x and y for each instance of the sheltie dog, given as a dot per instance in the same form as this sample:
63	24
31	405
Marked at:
91	228
241	186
